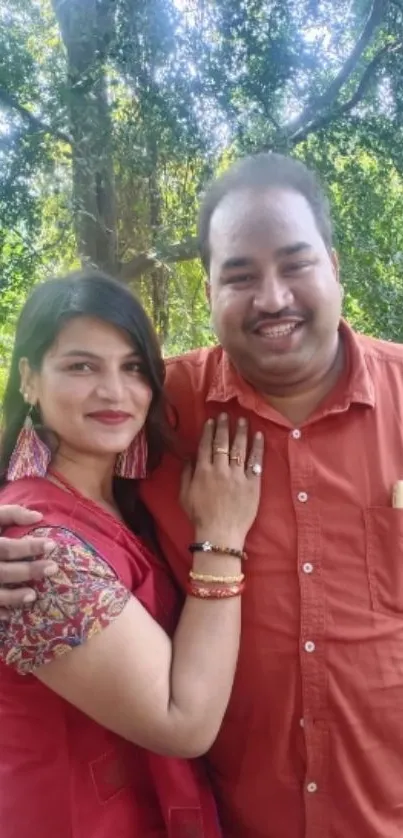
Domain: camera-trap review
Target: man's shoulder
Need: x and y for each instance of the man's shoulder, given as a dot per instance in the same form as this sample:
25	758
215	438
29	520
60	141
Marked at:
195	369
381	352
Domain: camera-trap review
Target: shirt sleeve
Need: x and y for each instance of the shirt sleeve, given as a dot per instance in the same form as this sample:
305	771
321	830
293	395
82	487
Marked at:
83	598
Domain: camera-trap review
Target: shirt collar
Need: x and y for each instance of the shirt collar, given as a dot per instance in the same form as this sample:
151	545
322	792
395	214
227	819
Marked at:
356	387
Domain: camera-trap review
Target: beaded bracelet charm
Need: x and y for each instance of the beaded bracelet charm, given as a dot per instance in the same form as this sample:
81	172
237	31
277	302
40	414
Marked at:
208	547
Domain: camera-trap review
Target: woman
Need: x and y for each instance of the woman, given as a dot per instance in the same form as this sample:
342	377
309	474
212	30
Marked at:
96	699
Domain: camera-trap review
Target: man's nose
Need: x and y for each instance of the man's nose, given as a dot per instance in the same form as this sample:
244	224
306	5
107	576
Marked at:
273	294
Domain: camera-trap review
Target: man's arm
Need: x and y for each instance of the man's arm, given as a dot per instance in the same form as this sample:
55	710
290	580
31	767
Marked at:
19	562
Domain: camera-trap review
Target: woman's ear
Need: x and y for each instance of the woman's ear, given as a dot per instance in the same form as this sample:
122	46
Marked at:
27	379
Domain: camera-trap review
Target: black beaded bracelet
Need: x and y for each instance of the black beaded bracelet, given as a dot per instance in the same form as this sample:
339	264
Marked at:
208	547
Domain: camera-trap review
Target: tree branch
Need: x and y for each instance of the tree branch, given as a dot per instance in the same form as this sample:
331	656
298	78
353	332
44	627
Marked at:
368	74
327	99
178	252
33	121
341	110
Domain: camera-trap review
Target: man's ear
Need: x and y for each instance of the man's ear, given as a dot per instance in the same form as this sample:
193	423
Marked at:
334	256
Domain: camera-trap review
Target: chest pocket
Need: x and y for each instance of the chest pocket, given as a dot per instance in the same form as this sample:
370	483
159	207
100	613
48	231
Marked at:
384	550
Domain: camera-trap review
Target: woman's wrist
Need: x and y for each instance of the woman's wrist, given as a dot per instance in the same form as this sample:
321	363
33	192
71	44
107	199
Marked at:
220	537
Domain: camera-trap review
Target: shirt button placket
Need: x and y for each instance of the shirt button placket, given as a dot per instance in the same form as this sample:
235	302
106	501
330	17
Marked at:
312	630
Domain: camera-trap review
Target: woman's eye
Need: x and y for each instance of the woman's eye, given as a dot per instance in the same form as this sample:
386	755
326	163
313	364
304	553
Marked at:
80	366
134	366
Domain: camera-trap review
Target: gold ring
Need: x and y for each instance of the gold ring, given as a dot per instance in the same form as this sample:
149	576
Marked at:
237	458
221	451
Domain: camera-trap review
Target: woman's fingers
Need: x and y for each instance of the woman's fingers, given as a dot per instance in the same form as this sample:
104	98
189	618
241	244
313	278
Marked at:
215	447
239	446
255	460
221	442
186	480
206	444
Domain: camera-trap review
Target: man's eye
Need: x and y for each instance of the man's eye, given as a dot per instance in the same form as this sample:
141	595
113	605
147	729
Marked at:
238	279
294	267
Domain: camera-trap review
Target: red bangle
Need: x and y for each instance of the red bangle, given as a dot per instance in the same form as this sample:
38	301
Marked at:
209	592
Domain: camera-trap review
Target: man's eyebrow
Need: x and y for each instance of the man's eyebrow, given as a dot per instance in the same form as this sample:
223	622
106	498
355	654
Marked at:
238	262
292	249
247	261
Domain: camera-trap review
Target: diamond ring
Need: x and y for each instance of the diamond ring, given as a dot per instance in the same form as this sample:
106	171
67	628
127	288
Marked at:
256	469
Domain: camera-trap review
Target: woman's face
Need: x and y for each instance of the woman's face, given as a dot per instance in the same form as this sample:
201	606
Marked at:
91	390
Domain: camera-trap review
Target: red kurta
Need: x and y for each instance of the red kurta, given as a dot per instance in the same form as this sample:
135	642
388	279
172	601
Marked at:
61	774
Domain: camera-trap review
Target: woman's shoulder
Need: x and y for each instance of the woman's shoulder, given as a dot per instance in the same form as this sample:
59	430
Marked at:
36	493
61	512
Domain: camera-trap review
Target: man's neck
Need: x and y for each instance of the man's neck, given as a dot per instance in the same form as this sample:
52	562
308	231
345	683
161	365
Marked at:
299	407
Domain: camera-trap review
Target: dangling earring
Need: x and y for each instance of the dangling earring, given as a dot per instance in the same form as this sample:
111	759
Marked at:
132	463
31	457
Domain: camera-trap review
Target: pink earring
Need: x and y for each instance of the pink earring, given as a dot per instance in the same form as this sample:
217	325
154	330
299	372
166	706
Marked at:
132	463
31	457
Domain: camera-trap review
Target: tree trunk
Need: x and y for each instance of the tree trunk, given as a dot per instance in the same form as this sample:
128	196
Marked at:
159	277
86	27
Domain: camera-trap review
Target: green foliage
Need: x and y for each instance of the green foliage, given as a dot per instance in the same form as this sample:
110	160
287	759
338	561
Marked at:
179	89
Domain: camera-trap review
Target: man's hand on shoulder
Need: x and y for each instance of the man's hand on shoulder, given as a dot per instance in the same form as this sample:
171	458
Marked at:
19	559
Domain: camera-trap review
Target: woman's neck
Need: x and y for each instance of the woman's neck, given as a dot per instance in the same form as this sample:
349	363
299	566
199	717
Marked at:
91	476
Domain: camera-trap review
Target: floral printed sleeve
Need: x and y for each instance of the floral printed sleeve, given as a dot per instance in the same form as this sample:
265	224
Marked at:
78	602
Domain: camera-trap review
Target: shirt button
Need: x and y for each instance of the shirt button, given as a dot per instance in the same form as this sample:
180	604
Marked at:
309	646
302	497
302	722
311	787
307	567
296	433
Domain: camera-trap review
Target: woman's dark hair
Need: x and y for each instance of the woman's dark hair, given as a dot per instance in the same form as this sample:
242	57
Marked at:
48	308
267	170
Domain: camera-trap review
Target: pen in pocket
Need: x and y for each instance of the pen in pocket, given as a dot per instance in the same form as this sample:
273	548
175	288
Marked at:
397	496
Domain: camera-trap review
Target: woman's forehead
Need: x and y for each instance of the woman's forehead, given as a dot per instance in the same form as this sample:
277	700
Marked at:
92	335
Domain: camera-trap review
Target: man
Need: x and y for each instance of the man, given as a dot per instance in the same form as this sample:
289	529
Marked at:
312	743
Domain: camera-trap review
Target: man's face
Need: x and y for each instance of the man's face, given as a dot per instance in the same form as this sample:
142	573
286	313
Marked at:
274	291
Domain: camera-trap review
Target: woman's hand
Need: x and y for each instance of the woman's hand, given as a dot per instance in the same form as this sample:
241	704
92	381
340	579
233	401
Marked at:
221	496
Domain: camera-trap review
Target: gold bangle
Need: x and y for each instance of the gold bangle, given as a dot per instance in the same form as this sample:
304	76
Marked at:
224	580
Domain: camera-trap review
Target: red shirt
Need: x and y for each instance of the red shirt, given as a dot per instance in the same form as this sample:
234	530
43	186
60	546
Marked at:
312	743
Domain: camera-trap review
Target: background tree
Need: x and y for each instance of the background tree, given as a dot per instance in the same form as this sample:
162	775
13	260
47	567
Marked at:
114	113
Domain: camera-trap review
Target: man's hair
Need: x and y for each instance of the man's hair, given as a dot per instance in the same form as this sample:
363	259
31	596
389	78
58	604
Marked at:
262	172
